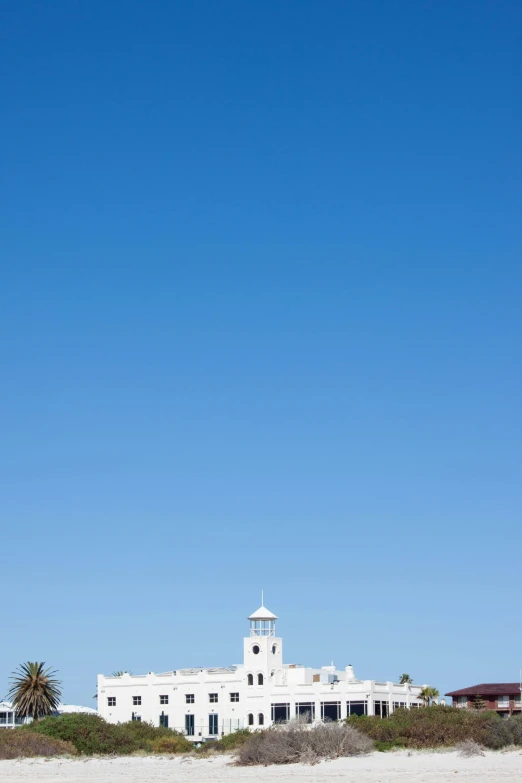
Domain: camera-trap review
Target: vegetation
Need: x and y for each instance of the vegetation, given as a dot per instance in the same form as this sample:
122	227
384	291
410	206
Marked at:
405	679
439	726
91	734
479	703
297	742
15	744
34	692
120	673
427	695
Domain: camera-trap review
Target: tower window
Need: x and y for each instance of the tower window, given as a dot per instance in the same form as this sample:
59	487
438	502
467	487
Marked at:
250	679
274	649
250	719
255	649
260	679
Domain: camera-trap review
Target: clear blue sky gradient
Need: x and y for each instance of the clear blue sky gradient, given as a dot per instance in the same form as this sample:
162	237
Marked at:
260	328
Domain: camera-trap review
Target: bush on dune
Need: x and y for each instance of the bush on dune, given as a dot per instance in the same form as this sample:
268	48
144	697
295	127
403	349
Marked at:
91	734
439	726
15	744
297	742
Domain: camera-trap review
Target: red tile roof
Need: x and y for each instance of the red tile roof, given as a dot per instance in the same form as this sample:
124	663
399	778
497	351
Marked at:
488	689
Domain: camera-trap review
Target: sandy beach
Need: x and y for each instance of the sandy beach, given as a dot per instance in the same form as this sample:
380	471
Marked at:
421	767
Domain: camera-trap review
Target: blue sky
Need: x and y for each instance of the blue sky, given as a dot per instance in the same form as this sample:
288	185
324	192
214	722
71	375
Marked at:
260	317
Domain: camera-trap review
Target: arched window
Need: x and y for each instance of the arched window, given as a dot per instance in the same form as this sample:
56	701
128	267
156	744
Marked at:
261	719
250	679
274	649
250	719
259	679
255	649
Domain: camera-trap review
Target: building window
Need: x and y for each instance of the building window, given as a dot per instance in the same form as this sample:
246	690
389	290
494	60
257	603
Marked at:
274	649
189	725
330	710
213	698
305	710
250	719
357	708
234	697
213	724
280	713
189	698
250	679
111	701
164	720
260	679
136	700
380	708
255	649
164	699
503	701
261	719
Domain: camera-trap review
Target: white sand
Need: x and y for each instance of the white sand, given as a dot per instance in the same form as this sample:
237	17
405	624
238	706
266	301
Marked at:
421	767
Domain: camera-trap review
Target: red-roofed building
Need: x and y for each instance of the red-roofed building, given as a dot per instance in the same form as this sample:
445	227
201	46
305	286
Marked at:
503	697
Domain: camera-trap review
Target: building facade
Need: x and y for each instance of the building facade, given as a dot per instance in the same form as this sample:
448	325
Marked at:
503	697
204	704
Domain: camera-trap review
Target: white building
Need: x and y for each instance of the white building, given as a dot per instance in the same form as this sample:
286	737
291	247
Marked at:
9	719
206	703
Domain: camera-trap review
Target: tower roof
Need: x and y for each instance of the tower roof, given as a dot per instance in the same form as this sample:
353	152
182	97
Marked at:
263	614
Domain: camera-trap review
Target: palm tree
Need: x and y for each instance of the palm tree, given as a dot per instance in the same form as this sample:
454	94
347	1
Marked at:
405	679
120	673
427	694
34	692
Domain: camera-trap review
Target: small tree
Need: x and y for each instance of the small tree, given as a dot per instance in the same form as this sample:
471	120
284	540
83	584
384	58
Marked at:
427	695
406	679
34	692
478	703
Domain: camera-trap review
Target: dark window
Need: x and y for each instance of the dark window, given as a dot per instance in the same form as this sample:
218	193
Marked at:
164	699
234	697
280	713
111	701
376	707
261	719
259	679
164	720
330	710
189	698
255	649
250	679
213	697
250	719
274	649
305	710
136	700
357	708
189	725
213	724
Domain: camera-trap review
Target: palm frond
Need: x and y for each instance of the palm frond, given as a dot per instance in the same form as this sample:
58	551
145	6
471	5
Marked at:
34	691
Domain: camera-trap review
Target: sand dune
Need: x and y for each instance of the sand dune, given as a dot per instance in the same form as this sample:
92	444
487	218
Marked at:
421	767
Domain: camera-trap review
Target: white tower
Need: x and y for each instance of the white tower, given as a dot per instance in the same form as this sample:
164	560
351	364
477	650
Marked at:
263	650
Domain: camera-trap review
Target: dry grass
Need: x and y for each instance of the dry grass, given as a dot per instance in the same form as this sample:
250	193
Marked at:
298	742
15	744
470	748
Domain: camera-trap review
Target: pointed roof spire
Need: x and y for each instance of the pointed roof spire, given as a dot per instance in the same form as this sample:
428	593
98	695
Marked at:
263	613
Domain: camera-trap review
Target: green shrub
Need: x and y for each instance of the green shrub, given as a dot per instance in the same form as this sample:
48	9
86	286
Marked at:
439	726
91	734
15	743
176	743
231	741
